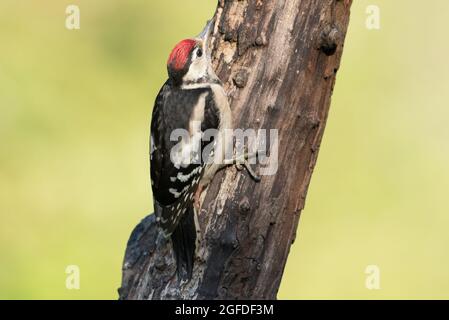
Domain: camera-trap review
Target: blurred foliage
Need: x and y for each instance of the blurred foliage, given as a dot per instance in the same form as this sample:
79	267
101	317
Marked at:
74	114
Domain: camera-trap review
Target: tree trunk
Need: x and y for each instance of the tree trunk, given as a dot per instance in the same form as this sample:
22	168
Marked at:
278	60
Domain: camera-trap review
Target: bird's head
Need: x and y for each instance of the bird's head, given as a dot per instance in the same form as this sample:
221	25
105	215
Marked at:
190	61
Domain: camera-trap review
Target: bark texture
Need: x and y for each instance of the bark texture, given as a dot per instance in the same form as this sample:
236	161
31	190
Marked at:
278	60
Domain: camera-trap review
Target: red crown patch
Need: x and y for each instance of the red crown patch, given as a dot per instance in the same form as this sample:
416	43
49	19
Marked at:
179	55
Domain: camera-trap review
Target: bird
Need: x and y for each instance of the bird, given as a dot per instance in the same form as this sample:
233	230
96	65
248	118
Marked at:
191	102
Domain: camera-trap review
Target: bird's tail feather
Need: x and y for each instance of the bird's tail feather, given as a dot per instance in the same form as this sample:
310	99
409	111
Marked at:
184	244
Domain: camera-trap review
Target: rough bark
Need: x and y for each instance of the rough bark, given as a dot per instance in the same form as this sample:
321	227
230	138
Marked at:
278	60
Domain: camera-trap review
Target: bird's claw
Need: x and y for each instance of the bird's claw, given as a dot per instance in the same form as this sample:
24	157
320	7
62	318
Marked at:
241	162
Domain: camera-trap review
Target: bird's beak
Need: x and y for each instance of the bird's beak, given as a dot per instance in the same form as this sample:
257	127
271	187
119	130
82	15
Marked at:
204	35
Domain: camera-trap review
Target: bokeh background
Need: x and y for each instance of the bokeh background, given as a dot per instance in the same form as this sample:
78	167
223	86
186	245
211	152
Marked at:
74	179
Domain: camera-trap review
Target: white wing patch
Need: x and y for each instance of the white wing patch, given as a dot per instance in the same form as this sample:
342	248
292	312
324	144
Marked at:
174	192
177	194
184	177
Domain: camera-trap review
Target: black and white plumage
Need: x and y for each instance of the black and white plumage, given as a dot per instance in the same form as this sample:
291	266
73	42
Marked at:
174	185
192	99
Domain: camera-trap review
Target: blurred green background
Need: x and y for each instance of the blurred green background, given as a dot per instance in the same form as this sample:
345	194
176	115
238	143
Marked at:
74	115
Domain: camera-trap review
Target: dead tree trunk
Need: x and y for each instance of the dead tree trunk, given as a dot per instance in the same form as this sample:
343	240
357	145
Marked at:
278	60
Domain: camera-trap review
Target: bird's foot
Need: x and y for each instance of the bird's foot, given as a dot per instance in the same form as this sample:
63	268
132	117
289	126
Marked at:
241	162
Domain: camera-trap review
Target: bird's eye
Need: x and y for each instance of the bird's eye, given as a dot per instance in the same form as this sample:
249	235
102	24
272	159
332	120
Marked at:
199	53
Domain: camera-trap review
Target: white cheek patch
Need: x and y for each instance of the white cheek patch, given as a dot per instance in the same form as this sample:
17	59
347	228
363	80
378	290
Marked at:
197	70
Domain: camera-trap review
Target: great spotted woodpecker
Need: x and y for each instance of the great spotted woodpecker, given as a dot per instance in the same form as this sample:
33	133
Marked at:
194	100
